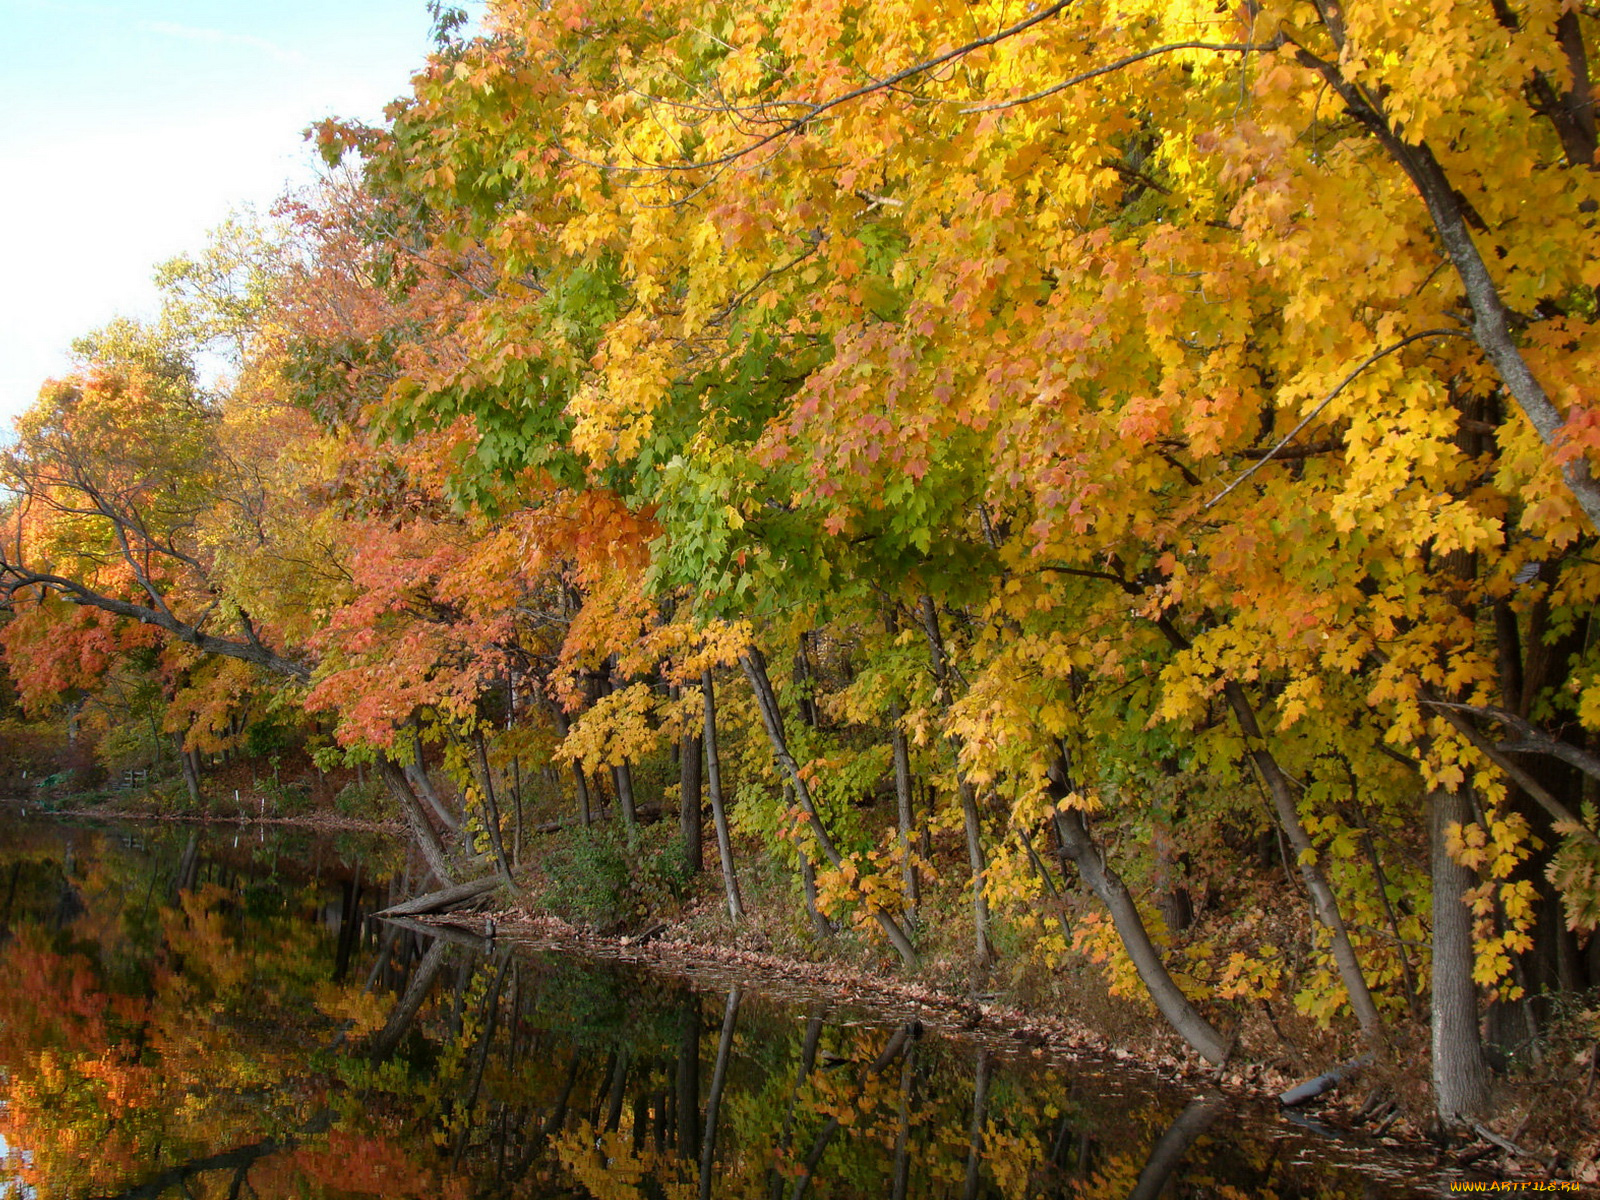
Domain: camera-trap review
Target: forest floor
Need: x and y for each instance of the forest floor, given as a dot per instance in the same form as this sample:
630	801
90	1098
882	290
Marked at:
1377	1111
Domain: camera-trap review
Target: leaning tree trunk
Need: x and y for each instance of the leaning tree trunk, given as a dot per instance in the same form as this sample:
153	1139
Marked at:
1079	845
755	670
417	773
1493	326
1323	902
433	851
388	1039
1201	1113
1460	1071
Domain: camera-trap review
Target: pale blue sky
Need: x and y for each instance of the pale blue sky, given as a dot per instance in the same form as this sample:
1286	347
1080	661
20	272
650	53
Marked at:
132	126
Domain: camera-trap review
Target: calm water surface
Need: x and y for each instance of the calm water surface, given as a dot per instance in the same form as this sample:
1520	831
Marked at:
209	1013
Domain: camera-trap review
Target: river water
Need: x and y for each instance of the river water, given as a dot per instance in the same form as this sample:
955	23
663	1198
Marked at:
209	1013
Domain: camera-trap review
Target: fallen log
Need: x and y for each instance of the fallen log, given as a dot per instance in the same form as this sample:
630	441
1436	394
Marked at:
442	899
1324	1083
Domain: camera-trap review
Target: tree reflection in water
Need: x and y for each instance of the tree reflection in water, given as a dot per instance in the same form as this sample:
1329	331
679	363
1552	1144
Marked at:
181	1015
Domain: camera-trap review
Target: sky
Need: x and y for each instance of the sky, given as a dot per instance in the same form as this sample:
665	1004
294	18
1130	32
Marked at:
133	126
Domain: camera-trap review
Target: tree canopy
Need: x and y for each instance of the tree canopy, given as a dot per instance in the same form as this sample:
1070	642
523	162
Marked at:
1160	437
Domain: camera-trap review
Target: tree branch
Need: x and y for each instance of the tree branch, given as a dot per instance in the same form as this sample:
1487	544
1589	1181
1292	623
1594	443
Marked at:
1128	61
1327	400
813	111
14	578
1534	739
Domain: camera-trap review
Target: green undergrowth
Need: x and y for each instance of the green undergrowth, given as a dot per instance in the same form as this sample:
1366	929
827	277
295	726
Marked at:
589	877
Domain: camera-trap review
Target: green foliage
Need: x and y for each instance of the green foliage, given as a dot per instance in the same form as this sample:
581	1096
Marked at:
590	878
1575	871
583	877
288	798
366	801
263	739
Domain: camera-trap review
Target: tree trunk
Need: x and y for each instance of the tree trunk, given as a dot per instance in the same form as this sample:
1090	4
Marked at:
1324	904
901	1177
417	774
581	785
1491	321
1168	1152
188	873
491	808
978	865
516	799
719	1076
191	777
487	1021
806	683
433	851
976	862
808	1061
444	899
349	927
1172	897
852	1103
808	890
388	1038
980	1115
1460	1072
689	798
904	812
622	776
755	669
621	773
688	1080
1079	845
719	816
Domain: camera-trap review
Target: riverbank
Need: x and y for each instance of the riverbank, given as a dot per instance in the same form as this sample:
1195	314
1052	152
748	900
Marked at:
1534	1136
1366	1115
317	822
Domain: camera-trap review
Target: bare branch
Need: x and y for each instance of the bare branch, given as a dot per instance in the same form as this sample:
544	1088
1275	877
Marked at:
813	111
1327	400
1127	61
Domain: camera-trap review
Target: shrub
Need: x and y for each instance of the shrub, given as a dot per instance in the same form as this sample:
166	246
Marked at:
584	877
285	799
368	801
590	876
